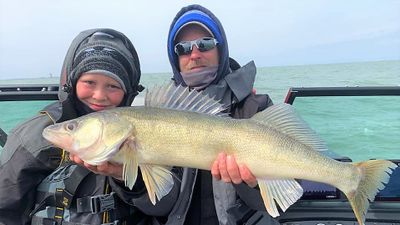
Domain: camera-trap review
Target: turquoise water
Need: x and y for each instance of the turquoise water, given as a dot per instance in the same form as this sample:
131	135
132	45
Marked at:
358	127
362	127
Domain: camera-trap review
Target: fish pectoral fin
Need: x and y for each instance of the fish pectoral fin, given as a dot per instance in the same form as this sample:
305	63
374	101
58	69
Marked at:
284	192
130	164
158	180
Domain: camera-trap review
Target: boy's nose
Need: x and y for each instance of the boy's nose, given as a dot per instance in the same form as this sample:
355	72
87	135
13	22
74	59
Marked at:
99	94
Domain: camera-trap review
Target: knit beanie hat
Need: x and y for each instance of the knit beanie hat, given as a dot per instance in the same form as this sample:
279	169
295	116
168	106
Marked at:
104	51
99	55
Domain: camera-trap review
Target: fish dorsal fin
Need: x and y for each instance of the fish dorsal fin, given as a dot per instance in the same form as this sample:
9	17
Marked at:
277	191
284	118
171	96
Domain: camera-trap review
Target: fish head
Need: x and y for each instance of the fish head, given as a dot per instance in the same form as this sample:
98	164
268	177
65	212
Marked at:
94	138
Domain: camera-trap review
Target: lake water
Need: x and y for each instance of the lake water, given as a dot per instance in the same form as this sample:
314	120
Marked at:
359	127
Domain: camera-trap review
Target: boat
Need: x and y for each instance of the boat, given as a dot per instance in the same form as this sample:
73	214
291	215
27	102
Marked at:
320	204
323	204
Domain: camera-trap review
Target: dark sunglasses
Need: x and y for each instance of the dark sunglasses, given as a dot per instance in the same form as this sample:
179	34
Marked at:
202	44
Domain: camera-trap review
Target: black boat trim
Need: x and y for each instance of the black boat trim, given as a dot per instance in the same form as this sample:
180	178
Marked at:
25	92
341	91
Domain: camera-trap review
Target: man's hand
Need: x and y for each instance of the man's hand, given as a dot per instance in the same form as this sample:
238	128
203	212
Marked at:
107	169
226	168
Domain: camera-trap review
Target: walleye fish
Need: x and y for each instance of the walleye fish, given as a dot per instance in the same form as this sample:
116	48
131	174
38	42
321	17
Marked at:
178	127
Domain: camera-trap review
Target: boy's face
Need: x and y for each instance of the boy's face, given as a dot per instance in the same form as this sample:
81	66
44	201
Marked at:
98	91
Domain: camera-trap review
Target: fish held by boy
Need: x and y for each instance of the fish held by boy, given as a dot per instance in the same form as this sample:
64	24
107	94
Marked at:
178	127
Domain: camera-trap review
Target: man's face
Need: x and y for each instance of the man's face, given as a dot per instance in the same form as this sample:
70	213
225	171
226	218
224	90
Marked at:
196	60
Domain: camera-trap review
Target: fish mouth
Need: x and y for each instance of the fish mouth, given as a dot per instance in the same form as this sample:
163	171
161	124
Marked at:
56	138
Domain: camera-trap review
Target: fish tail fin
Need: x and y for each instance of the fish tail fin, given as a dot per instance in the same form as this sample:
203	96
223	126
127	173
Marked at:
374	175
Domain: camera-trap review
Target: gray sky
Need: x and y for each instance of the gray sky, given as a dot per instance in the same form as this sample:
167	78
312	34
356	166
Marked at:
35	35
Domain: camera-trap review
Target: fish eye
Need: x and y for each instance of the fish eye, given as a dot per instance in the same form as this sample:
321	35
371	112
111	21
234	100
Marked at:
70	126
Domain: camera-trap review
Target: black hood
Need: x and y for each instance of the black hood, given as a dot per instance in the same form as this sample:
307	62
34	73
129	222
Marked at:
112	52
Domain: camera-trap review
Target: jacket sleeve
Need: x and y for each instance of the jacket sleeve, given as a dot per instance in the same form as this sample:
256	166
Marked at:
21	170
139	198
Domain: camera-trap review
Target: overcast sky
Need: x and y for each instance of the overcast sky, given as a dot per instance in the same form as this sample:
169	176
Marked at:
35	35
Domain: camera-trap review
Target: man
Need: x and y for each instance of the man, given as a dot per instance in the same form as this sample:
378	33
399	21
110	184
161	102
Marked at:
199	56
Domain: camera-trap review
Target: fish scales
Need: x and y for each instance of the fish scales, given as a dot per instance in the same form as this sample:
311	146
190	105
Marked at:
194	140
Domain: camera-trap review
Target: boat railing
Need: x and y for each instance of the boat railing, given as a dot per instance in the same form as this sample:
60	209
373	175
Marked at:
24	92
341	91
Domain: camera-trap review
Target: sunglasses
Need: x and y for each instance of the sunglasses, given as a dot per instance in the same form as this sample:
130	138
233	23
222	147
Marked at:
202	44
